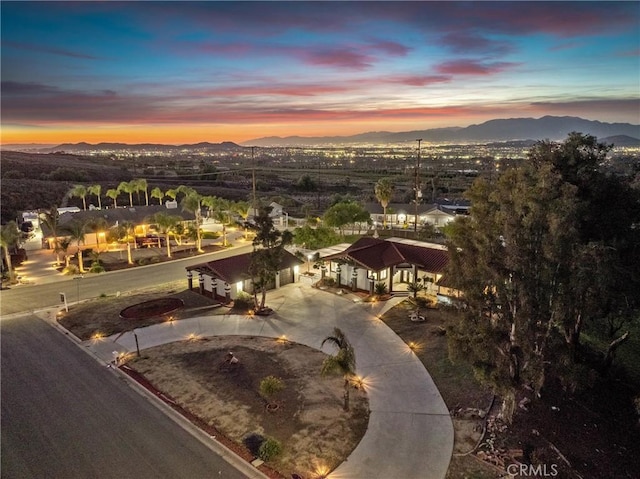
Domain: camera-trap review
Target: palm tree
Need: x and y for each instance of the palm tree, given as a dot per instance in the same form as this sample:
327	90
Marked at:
243	208
166	223
77	230
384	193
9	237
221	215
343	362
128	228
95	190
51	218
157	193
63	246
128	187
192	202
172	193
140	184
97	226
81	192
113	194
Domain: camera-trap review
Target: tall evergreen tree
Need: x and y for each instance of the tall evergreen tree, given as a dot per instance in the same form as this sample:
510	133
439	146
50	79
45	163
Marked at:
534	264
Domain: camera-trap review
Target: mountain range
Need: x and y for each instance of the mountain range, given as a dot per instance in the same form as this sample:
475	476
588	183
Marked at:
548	127
520	130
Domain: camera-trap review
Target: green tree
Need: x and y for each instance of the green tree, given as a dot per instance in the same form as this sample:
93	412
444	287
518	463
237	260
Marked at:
51	218
9	238
77	230
268	249
96	190
222	214
315	238
157	193
129	228
306	183
533	267
128	187
113	193
80	191
242	208
97	226
141	185
345	214
384	194
166	223
343	362
192	202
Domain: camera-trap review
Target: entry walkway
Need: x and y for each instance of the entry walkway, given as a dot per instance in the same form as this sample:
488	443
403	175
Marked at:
410	433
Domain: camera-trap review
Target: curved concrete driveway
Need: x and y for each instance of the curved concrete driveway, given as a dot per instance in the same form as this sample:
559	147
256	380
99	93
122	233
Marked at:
410	434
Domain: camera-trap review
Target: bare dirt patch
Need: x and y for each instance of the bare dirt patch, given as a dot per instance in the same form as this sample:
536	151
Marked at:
310	421
101	316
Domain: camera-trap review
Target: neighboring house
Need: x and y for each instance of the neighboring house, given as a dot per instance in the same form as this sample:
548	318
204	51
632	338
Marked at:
224	278
396	262
401	215
138	215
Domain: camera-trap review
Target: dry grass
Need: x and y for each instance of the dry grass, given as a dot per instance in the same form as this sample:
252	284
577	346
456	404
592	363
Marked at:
310	422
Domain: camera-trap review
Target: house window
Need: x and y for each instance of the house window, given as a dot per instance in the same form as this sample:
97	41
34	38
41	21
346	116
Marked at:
382	274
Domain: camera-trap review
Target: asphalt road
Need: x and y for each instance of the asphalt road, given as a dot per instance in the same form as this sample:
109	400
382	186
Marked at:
66	416
36	296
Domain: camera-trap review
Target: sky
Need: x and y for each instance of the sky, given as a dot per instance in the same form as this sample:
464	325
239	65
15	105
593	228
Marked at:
185	72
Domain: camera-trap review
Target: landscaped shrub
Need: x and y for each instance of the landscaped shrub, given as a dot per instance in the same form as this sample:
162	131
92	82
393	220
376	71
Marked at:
269	449
143	261
243	301
96	267
71	269
210	235
381	288
270	386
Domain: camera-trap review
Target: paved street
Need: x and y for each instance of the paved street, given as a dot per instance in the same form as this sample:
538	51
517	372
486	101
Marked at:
66	416
31	297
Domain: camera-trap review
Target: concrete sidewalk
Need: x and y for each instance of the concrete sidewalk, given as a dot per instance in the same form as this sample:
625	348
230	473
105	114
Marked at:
410	433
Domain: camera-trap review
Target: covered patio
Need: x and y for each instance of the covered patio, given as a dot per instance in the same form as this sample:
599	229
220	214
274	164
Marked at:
395	262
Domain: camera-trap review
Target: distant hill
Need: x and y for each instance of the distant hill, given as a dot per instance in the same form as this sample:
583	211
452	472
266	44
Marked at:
84	147
513	129
620	140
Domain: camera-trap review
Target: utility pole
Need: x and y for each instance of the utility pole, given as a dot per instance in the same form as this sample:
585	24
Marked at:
253	181
417	188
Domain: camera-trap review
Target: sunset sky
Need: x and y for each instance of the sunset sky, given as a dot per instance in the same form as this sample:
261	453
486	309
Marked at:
181	72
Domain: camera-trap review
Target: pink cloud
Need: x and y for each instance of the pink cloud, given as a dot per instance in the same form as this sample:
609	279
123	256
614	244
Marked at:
337	57
473	67
418	80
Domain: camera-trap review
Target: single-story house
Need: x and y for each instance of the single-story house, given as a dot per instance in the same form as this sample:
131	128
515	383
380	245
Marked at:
224	278
404	214
395	262
113	217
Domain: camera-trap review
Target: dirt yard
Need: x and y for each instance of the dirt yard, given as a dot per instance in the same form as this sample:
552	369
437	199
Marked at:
315	432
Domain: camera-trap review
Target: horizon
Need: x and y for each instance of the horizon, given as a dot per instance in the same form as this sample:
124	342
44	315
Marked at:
182	73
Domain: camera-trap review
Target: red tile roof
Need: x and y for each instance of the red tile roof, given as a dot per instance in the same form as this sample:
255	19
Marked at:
377	254
235	268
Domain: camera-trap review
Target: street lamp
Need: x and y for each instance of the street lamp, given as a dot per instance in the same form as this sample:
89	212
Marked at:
309	257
